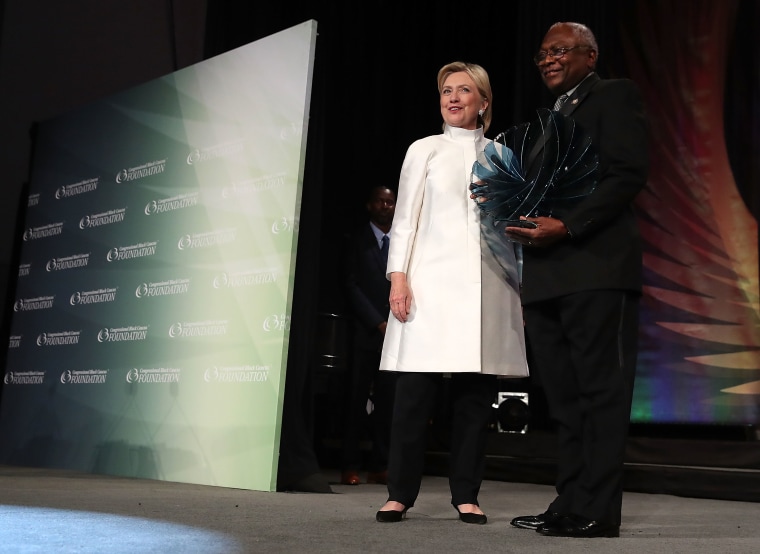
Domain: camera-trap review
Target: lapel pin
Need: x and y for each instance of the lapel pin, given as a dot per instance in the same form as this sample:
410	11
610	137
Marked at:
575	101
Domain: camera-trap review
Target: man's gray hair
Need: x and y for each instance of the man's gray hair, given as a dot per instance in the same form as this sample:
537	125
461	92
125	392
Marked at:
583	33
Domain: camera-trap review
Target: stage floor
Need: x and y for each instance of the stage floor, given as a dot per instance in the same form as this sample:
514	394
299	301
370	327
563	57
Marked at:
44	510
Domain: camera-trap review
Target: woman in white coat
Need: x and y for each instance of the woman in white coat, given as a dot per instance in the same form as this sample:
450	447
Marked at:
456	309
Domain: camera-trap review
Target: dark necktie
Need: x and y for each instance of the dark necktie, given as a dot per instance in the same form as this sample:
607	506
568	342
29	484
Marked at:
560	101
384	248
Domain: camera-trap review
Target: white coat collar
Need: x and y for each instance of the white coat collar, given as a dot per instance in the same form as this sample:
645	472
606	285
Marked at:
459	134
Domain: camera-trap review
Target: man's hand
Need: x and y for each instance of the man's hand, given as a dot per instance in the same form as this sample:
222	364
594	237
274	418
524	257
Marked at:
548	231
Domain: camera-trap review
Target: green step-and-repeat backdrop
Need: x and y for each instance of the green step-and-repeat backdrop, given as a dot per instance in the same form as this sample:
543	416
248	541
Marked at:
150	324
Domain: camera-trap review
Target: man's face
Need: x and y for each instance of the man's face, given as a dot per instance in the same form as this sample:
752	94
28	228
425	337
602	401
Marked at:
562	72
381	206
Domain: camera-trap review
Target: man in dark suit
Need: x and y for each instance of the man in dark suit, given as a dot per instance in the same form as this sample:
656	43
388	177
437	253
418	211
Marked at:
582	279
367	291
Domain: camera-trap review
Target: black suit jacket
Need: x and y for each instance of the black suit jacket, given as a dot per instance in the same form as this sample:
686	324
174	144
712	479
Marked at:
367	288
605	250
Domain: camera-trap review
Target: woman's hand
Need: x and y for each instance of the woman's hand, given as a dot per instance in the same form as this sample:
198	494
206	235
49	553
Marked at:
400	297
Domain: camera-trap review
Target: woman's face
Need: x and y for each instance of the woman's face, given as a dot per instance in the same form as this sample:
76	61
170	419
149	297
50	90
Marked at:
460	101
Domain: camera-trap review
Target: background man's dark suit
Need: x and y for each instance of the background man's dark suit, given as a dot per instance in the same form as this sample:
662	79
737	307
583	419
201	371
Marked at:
367	290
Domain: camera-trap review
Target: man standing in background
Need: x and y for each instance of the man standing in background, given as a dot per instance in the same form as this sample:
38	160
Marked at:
367	293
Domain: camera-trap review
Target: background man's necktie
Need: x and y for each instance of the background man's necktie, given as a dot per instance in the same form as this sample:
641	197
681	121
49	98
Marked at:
384	248
559	102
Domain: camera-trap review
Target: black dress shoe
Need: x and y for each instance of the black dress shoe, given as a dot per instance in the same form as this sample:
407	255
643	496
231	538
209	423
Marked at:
534	522
390	516
349	477
477	519
580	527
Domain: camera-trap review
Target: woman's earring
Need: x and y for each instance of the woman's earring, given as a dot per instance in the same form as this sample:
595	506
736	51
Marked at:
481	112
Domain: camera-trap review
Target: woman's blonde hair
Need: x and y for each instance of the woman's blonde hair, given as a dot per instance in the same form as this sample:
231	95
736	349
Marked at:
479	76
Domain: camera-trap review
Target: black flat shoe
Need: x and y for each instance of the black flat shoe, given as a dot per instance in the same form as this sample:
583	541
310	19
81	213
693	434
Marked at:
390	516
579	527
534	522
477	519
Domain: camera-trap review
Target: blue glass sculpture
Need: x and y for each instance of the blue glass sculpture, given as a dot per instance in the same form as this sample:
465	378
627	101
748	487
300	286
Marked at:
540	168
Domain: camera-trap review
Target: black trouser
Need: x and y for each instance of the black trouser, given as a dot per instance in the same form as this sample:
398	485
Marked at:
365	377
583	349
472	398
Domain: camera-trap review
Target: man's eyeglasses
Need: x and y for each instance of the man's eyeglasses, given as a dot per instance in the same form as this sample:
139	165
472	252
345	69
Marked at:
555	53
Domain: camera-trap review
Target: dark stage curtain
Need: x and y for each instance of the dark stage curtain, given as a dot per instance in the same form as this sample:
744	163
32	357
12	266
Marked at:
742	104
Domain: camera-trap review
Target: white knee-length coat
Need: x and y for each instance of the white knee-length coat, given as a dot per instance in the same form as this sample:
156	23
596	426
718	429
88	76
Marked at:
466	314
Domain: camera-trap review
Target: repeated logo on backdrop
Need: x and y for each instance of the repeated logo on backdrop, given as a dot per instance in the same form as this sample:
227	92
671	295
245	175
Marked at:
152	306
